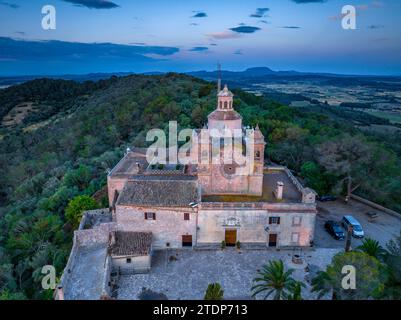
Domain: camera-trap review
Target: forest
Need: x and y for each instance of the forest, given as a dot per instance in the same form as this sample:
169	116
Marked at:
78	131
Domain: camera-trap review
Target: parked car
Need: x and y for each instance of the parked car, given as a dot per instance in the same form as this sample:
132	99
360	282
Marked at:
335	230
326	198
357	230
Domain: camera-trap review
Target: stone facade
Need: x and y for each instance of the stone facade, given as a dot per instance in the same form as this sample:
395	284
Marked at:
168	227
295	228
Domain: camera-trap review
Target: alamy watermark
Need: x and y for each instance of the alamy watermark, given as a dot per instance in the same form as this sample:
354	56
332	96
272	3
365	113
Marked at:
348	21
49	20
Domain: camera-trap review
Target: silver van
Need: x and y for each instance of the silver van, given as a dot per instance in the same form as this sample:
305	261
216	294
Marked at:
357	230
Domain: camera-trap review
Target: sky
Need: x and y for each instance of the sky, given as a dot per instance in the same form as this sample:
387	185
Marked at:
187	35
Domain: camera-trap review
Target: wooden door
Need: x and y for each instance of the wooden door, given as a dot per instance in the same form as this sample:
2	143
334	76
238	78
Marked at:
272	240
231	237
187	241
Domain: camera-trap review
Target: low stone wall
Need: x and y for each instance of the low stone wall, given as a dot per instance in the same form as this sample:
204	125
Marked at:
376	206
94	218
106	290
64	280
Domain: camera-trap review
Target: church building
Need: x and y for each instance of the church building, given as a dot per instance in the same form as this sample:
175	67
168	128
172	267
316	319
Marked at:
208	203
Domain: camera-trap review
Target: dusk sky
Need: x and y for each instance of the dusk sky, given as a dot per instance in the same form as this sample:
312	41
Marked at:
188	35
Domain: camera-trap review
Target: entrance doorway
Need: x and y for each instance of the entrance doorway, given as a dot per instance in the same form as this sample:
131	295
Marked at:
273	240
231	237
187	241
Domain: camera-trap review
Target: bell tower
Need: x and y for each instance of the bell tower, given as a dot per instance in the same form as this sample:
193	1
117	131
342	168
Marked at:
225	100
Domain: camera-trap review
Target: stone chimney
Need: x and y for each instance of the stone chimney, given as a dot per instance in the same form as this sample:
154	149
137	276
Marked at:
112	238
279	190
59	293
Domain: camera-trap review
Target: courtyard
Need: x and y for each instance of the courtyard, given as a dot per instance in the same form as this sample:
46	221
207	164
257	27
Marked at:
185	274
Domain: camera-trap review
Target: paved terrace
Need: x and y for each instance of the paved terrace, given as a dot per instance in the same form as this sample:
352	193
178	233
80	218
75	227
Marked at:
290	194
86	277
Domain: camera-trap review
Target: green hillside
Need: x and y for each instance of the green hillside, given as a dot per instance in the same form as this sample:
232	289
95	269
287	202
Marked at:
60	138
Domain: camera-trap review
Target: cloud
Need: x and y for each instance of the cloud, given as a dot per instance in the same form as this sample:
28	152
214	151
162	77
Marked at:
309	1
264	21
21	33
213	44
29	50
238	52
10	5
290	27
376	26
193	24
199	49
223	35
245	29
94	4
199	14
259	13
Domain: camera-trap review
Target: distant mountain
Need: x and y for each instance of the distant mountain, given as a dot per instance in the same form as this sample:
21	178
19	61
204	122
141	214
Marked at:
231	77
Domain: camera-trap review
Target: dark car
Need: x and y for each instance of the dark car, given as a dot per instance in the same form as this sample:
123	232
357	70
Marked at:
335	230
327	198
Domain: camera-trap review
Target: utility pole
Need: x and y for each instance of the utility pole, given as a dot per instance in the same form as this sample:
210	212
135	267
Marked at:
348	239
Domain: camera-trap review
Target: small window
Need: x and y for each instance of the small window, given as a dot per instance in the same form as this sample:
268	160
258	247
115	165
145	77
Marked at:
295	237
128	260
186	216
296	221
225	104
274	220
150	216
257	154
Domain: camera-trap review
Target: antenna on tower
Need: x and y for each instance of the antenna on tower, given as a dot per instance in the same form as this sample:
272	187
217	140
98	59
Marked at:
218	77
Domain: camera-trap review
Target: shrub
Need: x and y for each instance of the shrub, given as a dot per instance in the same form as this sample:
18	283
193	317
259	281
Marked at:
76	207
223	245
214	292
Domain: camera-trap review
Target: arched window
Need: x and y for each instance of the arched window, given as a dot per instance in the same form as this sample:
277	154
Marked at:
257	154
231	104
221	105
225	104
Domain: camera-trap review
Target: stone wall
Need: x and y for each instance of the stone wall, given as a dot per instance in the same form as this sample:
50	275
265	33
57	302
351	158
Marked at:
169	226
113	184
376	206
97	235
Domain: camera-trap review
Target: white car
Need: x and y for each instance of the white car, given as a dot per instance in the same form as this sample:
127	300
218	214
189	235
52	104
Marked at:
357	230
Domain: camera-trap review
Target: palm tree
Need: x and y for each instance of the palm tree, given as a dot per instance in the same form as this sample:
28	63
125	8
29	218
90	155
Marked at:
372	248
322	285
273	279
214	292
296	291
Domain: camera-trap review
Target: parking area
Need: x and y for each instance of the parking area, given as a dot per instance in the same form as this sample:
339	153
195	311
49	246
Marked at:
384	228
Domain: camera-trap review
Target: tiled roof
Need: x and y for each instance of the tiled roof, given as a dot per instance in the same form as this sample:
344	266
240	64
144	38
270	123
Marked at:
224	115
160	193
130	243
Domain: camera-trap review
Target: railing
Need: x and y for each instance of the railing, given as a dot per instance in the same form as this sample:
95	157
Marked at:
257	205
